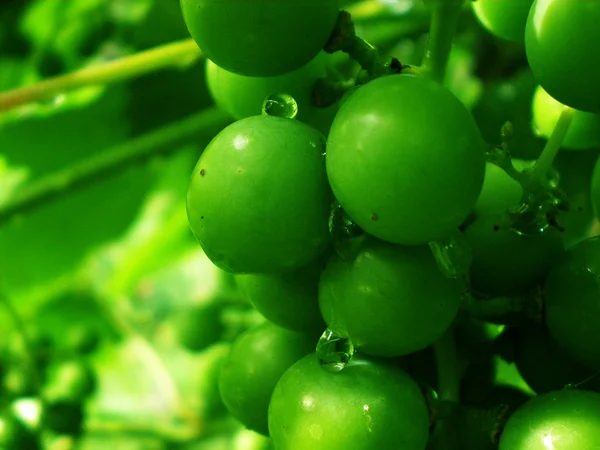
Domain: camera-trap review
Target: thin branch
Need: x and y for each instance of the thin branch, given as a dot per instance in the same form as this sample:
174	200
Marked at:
546	159
175	54
444	21
161	141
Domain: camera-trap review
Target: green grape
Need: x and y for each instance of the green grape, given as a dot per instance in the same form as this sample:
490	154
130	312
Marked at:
560	40
290	299
260	38
575	171
504	261
584	131
390	301
500	192
368	405
504	18
509	99
545	366
212	360
243	96
258	201
198	326
257	360
561	420
572	306
405	159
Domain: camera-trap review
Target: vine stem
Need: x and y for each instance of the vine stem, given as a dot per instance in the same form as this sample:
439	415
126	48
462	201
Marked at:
544	162
446	360
162	141
444	20
176	54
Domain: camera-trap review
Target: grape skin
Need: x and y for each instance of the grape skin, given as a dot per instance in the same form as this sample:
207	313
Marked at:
390	300
257	38
258	201
405	159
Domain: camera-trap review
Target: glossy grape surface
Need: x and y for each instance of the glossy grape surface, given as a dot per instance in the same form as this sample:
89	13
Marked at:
405	159
505	262
289	299
584	131
504	18
561	39
260	37
243	96
575	171
367	406
560	420
258	358
509	99
258	200
391	300
572	294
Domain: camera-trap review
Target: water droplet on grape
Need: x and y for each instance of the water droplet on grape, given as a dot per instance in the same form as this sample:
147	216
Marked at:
500	157
507	131
529	219
280	105
452	254
553	178
334	351
344	233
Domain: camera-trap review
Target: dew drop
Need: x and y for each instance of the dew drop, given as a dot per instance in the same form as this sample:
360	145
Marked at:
334	351
553	178
500	157
344	233
453	255
280	105
529	219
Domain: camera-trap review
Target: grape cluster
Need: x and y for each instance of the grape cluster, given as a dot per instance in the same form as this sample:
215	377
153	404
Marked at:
386	219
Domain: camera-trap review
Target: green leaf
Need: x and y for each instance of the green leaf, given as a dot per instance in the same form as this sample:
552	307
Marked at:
68	28
49	243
